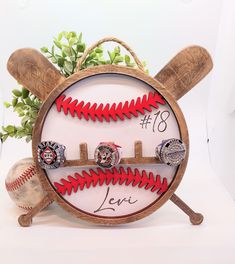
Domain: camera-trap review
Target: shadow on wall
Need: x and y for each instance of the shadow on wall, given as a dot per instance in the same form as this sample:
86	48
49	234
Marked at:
221	112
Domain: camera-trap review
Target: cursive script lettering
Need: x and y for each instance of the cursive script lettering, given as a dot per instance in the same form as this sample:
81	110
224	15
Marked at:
109	202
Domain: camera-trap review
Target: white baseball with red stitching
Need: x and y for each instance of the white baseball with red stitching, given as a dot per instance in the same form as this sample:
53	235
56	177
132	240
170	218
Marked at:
23	185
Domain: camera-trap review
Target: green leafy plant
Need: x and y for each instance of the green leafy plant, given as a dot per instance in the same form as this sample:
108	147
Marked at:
26	106
66	50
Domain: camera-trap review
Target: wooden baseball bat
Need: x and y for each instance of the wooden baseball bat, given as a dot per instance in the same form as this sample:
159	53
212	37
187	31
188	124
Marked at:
34	71
185	70
31	69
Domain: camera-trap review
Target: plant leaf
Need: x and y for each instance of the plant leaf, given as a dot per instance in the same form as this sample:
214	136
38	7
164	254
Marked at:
127	59
72	41
17	93
81	47
14	101
68	66
98	50
25	93
67	51
80	37
44	49
60	62
111	56
24	120
4	138
10	128
118	59
7	105
58	44
53	59
60	36
117	50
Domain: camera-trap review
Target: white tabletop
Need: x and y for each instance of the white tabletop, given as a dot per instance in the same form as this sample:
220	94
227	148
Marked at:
165	236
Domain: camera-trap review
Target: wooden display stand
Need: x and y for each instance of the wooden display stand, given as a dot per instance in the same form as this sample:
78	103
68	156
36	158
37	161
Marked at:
179	76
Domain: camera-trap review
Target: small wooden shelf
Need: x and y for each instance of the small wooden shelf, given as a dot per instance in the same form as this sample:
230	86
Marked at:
137	159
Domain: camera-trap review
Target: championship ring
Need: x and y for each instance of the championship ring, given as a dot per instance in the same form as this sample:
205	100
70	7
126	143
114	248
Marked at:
107	155
171	151
50	155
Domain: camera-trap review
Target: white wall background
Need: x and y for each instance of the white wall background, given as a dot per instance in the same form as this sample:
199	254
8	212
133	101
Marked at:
221	114
156	30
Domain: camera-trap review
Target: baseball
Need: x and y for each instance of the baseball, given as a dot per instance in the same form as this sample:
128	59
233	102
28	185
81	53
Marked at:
23	185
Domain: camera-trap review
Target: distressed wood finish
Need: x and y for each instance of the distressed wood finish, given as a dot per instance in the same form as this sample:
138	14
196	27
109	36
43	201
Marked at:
185	70
138	150
25	220
155	85
83	152
91	162
137	159
31	69
195	218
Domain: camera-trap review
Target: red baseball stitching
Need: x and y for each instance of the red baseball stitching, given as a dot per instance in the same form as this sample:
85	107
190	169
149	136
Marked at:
24	177
111	176
107	112
30	207
25	207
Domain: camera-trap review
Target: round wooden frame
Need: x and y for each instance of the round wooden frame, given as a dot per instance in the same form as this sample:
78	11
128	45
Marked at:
135	73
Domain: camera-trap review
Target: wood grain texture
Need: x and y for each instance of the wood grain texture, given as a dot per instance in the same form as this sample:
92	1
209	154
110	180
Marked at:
83	152
32	70
195	218
123	161
185	70
137	159
139	150
25	220
135	73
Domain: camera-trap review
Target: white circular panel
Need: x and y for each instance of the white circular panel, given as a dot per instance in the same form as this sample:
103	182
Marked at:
101	192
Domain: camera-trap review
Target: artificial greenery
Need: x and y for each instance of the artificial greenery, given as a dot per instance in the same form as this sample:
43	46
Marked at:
26	106
66	50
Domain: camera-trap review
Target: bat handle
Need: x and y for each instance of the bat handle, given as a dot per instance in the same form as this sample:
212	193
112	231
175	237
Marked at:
25	220
195	218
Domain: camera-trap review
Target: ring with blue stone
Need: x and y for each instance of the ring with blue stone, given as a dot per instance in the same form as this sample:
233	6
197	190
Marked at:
171	151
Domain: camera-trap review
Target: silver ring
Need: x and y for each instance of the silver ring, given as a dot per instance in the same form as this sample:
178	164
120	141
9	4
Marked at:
50	155
107	154
171	151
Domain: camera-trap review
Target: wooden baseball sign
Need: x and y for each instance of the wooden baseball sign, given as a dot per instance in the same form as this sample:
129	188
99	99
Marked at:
110	143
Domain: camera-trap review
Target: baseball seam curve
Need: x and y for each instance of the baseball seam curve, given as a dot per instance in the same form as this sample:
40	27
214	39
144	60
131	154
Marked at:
111	176
107	112
24	177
